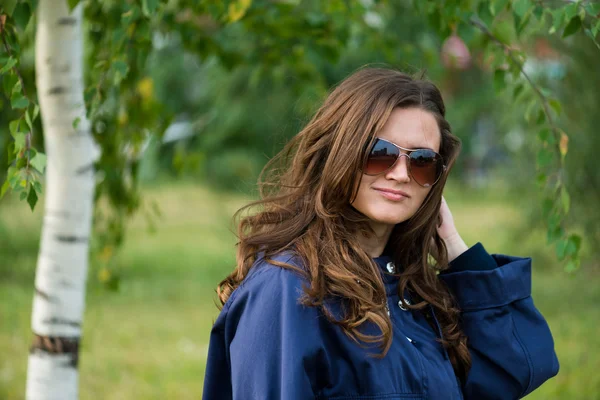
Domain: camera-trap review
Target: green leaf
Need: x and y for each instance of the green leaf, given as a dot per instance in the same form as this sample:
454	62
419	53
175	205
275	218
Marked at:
21	163
572	266
17	89
517	91
570	248
10	152
596	29
541	117
38	187
558	18
14	126
504	31
592	36
593	8
237	9
28	120
556	106
520	24
22	15
571	10
573	26
520	7
120	69
532	107
499	80
19	141
554	233
36	111
73	4
5	188
23	195
575	241
8	82
18	188
9	6
149	7
12	176
32	198
9	64
17	101
39	162
128	17
560	248
483	12
544	157
565	199
76	122
538	12
497	6
582	14
546	136
541	179
514	68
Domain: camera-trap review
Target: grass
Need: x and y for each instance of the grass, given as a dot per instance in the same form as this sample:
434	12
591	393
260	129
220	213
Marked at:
149	340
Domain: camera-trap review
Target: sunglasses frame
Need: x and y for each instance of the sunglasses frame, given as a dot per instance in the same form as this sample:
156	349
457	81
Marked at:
400	154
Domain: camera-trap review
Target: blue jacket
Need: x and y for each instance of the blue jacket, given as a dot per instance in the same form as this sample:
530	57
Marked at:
265	345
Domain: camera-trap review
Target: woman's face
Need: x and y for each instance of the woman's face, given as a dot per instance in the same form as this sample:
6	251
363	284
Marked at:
393	196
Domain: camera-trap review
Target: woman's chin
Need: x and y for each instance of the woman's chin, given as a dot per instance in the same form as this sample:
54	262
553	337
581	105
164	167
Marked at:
388	219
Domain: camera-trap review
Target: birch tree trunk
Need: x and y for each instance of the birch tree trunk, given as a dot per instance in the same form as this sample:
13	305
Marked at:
62	265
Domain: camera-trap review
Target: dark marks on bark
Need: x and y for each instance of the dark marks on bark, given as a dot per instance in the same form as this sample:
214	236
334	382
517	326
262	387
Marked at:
66	284
61	321
56	90
57	345
71	239
68	21
58	213
86	169
45	295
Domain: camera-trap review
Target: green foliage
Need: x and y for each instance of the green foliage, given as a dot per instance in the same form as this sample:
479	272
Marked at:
22	176
578	92
553	146
288	45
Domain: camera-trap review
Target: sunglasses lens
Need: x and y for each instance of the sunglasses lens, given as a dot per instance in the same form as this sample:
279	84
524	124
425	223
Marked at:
382	156
426	167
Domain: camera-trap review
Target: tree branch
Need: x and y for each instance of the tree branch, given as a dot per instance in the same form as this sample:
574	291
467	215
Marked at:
9	52
555	129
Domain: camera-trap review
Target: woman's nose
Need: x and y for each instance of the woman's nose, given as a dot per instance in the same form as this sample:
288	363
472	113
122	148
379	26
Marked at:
399	171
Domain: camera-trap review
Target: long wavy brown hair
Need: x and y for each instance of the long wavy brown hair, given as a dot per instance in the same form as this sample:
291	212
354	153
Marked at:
305	207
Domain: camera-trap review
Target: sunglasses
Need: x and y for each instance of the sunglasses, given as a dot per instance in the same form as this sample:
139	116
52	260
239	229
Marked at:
425	166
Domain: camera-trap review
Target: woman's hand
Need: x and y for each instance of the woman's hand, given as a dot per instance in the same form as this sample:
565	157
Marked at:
447	231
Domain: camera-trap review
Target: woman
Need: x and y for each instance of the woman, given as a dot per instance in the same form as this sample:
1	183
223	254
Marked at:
352	281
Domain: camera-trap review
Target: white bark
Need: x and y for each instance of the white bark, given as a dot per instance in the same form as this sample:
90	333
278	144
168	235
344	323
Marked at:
58	302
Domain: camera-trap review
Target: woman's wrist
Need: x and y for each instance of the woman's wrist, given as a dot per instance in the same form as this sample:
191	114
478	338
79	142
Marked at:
455	246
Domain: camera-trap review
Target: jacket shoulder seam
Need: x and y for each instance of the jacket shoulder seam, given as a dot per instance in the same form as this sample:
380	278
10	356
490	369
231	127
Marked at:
248	279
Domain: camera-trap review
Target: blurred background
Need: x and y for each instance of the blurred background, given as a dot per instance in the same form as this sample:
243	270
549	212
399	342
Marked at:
151	289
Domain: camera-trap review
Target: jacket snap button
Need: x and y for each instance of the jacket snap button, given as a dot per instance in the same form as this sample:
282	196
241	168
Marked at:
391	268
401	306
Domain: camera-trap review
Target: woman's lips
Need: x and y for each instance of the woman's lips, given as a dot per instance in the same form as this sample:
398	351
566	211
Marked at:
391	194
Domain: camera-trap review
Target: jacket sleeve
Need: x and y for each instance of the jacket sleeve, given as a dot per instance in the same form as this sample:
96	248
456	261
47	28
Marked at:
265	344
511	346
